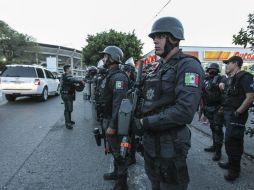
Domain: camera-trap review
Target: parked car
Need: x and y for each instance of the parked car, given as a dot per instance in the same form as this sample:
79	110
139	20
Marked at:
28	80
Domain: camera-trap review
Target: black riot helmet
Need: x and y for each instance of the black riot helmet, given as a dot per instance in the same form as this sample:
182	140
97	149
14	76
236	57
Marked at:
92	71
79	87
129	65
168	25
214	66
115	53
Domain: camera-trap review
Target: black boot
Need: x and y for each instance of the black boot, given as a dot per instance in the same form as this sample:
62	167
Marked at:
234	170
68	126
224	165
217	153
67	117
121	183
216	156
111	175
131	160
209	149
232	175
73	122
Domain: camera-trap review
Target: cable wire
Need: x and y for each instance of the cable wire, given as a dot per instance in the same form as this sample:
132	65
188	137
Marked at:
162	9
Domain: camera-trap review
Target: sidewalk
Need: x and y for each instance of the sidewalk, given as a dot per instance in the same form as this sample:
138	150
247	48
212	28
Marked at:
248	141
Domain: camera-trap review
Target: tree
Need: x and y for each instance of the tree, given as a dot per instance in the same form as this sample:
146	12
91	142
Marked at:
246	37
15	46
129	43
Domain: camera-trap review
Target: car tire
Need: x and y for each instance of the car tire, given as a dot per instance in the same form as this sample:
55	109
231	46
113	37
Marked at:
44	95
10	97
58	91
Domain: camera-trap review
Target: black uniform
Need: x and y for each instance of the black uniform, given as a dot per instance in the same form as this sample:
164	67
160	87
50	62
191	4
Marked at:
68	95
171	95
234	94
98	94
115	87
212	97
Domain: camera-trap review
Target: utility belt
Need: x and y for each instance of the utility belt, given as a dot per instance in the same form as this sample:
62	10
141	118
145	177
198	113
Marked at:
65	92
173	129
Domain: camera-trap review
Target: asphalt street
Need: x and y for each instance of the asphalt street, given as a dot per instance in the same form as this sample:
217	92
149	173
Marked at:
52	157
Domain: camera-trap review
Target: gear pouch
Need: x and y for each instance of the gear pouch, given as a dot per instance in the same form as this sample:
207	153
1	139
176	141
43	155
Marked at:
176	172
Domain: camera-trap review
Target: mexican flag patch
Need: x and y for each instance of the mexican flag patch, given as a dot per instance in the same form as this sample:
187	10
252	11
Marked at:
119	85
191	79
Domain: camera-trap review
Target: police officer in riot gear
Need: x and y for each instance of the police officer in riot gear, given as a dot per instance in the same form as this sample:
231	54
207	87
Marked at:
129	68
115	87
98	91
67	90
171	95
212	108
91	72
238	96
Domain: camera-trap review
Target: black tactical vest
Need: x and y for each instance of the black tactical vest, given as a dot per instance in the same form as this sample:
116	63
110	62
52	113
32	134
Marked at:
67	85
158	89
211	94
234	94
107	93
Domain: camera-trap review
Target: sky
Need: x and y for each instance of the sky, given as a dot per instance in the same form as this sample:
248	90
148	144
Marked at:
68	22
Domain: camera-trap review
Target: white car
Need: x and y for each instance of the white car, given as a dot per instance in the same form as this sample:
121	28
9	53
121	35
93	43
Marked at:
28	80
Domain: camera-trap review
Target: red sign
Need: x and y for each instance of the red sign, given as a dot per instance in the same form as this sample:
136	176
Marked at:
223	55
245	56
150	59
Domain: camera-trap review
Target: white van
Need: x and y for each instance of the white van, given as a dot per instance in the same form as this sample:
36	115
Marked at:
28	80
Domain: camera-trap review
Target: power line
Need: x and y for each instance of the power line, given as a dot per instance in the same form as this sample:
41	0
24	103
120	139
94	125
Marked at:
162	9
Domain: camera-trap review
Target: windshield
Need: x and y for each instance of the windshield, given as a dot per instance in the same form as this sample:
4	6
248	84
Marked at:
19	71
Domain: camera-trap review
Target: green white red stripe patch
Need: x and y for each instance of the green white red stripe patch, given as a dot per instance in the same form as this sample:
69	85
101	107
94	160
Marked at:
191	79
119	85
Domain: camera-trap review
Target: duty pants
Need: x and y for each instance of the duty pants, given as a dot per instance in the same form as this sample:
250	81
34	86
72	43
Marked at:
234	138
68	107
119	162
156	181
216	125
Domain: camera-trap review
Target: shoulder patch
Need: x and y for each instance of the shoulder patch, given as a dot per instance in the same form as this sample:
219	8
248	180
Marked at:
191	79
119	85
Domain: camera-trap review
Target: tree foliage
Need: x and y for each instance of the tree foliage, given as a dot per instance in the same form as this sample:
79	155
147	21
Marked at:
128	42
245	37
14	46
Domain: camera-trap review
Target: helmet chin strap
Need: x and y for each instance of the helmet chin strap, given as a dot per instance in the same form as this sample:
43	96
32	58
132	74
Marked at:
168	48
108	63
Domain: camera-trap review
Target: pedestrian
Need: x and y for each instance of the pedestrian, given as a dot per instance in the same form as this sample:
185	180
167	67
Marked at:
115	86
67	90
171	95
238	96
212	98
